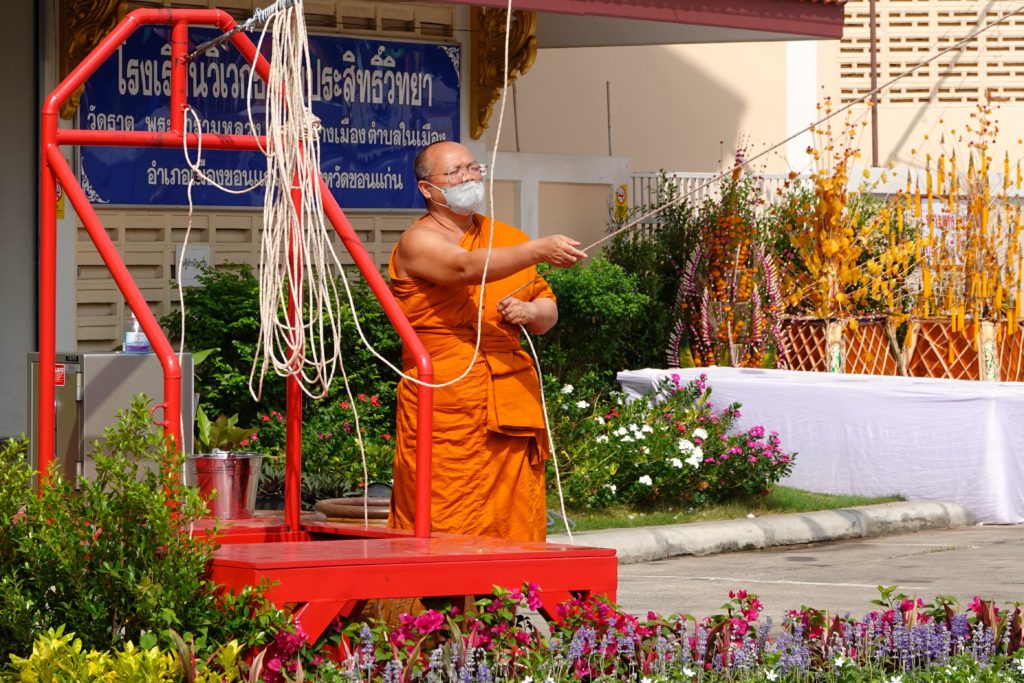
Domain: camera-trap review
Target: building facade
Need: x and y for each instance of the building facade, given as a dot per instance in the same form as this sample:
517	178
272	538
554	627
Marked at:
550	186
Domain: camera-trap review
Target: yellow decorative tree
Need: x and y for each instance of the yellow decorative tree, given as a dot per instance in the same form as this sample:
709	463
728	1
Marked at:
851	253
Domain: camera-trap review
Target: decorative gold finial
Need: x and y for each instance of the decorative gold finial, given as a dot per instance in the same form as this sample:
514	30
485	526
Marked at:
488	63
83	23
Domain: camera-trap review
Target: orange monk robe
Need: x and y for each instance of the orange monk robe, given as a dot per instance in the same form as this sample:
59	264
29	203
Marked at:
489	440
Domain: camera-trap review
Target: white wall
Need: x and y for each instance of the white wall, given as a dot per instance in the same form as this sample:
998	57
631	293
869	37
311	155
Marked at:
18	192
673	107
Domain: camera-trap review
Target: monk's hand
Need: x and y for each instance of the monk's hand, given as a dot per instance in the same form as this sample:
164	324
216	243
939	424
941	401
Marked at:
560	251
516	311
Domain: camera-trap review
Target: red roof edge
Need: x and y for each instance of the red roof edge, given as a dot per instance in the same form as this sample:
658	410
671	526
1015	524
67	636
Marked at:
811	18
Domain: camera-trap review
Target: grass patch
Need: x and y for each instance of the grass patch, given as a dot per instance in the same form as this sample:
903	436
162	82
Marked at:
782	500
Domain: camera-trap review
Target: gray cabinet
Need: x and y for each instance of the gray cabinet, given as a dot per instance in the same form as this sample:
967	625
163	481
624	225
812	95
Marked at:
90	389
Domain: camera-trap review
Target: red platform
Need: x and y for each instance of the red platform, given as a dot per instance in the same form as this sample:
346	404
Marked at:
330	570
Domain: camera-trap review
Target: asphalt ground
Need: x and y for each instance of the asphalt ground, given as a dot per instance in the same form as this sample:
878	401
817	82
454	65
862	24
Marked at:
839	576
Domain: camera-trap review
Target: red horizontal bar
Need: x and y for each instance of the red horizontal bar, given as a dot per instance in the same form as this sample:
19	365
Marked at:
133	21
168	139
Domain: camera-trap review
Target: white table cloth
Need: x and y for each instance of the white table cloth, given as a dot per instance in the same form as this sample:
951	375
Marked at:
951	440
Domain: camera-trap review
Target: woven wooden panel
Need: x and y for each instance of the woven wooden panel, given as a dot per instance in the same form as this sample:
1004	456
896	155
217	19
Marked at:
806	345
937	351
869	349
1011	356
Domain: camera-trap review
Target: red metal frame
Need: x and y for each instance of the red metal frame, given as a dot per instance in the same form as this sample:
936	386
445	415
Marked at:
322	570
55	168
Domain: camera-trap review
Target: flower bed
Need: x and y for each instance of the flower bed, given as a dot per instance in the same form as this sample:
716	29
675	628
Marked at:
901	641
679	450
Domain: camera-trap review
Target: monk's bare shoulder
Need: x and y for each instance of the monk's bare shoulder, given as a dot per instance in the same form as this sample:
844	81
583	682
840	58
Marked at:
423	240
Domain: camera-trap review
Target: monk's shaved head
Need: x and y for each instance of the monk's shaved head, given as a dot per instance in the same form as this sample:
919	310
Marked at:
423	166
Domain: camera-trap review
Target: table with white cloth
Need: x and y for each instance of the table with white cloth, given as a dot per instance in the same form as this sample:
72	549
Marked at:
937	439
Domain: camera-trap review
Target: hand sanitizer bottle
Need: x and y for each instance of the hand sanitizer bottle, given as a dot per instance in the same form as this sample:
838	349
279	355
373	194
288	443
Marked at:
135	340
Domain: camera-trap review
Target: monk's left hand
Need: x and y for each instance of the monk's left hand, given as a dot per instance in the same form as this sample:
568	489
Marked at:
516	311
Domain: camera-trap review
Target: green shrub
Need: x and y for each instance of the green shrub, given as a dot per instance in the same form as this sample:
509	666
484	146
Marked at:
600	310
331	461
59	656
114	561
223	315
655	256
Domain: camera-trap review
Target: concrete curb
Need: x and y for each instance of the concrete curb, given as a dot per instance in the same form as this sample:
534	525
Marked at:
705	538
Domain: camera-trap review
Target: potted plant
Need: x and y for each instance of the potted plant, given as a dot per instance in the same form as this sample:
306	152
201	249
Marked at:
967	320
845	259
226	477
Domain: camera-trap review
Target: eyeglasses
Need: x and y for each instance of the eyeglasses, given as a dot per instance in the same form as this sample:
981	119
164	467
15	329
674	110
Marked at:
457	176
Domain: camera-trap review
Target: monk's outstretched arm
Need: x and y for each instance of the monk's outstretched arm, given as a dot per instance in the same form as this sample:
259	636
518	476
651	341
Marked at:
427	254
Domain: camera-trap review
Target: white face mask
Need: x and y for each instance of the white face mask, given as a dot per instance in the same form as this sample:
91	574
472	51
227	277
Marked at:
464	199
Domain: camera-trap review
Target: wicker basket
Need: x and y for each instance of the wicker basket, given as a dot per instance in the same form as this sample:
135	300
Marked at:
933	349
832	345
1011	356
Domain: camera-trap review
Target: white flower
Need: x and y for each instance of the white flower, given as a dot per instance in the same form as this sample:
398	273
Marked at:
695	458
841	661
612	487
621	431
677	463
567	389
602	438
599	420
896	679
771	675
646	480
582	404
700	433
645	450
688	672
686	446
646	679
528	679
647	428
627	439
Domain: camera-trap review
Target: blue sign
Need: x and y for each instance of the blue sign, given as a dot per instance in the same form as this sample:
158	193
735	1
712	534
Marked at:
378	101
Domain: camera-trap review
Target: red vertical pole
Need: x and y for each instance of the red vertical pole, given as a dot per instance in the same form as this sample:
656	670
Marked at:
293	394
47	297
424	444
179	49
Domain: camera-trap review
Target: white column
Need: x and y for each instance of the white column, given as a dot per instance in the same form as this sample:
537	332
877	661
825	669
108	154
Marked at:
801	100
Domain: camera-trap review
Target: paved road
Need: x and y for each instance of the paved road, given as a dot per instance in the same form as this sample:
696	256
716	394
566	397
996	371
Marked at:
840	577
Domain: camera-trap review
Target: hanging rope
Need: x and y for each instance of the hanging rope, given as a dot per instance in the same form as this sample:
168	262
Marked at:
299	329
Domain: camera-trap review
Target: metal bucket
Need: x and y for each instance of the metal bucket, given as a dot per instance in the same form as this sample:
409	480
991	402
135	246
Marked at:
234	476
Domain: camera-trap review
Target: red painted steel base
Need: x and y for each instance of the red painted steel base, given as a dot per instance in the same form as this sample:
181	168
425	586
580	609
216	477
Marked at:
332	569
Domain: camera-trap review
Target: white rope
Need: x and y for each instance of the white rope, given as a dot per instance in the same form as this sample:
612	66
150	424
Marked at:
297	256
197	173
298	335
551	438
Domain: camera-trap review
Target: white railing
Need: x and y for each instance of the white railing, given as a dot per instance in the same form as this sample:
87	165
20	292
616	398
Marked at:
650	189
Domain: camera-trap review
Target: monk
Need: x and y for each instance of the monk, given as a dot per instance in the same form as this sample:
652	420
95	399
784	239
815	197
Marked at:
489	439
